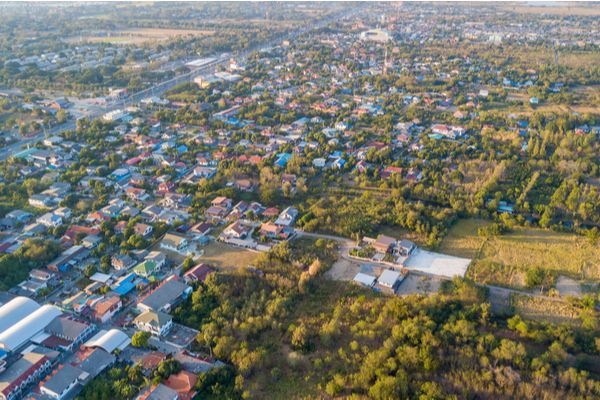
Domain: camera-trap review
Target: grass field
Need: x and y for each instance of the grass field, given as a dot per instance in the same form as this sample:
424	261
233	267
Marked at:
544	310
139	36
503	260
225	256
563	9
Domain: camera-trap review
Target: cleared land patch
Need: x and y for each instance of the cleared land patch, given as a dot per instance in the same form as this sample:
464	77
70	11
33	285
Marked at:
503	260
139	36
225	256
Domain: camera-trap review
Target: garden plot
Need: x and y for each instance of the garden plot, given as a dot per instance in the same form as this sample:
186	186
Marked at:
437	263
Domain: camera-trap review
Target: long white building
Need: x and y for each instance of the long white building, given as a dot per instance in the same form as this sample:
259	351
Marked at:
22	331
15	310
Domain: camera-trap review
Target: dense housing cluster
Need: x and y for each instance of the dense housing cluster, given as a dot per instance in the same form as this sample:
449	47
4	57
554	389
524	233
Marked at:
320	200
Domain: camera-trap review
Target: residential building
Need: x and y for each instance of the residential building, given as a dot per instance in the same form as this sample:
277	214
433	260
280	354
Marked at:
165	296
23	372
157	323
174	242
104	309
62	383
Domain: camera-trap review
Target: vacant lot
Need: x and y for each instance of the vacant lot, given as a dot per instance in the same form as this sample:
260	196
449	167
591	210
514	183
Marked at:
545	310
462	239
140	36
503	260
555	9
225	256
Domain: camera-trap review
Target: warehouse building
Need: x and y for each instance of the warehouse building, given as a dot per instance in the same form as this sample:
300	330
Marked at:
21	332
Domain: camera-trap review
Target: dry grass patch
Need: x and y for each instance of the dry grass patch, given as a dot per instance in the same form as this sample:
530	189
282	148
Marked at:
504	260
544	310
566	9
565	253
225	256
462	239
141	35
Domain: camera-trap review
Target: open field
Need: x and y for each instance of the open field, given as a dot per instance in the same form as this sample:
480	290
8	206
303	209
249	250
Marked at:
563	9
545	310
462	239
225	256
140	36
503	260
419	284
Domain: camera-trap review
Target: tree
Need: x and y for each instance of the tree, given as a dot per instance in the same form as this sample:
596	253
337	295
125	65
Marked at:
300	338
510	351
140	339
187	264
61	116
390	387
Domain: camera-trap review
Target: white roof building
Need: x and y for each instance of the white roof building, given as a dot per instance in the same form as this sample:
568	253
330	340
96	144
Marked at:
21	332
109	340
389	278
376	35
15	310
364	279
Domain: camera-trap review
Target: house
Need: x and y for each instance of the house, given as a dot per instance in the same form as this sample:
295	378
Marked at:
104	309
137	194
287	217
50	220
405	247
319	163
62	383
66	333
389	280
121	262
19	216
201	229
158	392
365	279
41	275
222	202
389	171
94	361
23	372
146	269
156	323
183	383
414	175
157	257
273	231
244	185
384	244
91	241
237	230
198	273
216	213
165	296
143	230
68	258
270	212
63	212
151	361
40	201
174	242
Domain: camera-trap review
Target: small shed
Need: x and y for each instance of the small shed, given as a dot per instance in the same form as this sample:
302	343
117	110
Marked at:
364	279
